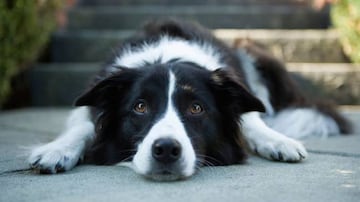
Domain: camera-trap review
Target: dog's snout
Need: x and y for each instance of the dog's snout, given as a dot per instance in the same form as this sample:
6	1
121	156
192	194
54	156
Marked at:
166	150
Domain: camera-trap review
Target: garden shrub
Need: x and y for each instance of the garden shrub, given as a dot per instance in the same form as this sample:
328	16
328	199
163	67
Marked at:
25	27
346	19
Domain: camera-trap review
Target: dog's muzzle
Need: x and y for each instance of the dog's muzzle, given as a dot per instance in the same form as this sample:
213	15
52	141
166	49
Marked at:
166	160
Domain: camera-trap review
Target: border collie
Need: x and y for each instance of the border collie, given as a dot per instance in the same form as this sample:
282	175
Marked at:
175	98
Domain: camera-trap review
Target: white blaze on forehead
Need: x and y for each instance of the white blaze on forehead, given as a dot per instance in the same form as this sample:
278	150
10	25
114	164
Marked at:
167	49
169	126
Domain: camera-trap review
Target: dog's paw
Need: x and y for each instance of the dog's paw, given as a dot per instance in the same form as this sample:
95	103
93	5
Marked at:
284	149
51	158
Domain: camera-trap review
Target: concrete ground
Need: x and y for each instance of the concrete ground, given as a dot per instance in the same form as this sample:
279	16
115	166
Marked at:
331	173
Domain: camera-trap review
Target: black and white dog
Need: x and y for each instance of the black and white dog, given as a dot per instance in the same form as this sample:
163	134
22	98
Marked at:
175	98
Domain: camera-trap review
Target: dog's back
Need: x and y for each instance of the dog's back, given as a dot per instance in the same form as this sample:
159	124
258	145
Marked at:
267	78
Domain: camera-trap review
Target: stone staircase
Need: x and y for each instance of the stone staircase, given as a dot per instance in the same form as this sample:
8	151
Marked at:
291	30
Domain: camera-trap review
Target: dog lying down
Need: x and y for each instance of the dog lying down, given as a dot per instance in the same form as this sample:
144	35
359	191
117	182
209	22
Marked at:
175	98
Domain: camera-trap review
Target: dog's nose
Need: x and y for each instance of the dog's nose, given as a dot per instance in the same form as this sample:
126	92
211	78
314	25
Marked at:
166	150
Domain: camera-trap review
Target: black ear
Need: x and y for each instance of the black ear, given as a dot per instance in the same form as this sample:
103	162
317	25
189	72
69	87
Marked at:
107	90
234	95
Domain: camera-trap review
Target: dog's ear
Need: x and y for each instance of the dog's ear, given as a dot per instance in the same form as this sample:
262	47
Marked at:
108	90
234	95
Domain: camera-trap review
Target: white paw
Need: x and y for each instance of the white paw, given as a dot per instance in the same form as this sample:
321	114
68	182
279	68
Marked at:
283	149
54	158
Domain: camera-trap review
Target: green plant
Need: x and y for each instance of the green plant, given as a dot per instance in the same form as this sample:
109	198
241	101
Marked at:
345	15
25	27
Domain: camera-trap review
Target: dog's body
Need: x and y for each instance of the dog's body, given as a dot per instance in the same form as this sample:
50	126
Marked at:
175	98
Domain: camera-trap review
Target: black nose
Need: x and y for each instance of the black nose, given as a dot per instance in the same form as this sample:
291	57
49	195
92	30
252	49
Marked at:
166	150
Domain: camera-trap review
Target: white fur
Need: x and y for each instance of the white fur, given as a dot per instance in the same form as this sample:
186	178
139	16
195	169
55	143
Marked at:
255	83
168	48
268	143
302	123
169	126
69	147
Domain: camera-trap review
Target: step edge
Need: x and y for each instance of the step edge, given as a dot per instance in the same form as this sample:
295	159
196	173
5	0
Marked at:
291	67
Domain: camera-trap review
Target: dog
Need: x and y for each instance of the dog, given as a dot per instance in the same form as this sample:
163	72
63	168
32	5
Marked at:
175	98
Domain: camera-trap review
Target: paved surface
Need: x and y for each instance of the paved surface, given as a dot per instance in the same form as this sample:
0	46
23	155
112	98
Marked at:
331	173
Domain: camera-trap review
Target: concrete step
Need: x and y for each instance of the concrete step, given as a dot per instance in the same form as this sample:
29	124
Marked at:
338	82
58	84
191	2
212	16
288	45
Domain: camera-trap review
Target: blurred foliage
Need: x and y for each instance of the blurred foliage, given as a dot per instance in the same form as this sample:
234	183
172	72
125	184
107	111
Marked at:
346	18
25	27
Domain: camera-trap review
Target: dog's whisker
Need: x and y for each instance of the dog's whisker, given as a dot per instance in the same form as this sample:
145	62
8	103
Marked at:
205	157
127	158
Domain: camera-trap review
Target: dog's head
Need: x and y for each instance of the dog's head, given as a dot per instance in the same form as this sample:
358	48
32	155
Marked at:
168	119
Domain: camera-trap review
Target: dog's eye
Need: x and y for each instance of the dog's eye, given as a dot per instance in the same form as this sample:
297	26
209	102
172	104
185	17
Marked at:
195	108
140	107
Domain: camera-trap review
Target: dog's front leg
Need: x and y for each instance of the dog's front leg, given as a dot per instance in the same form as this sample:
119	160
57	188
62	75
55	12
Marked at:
268	143
63	153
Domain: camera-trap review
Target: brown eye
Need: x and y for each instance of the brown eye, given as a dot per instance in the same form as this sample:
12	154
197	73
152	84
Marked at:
195	109
140	107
